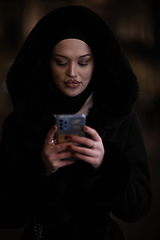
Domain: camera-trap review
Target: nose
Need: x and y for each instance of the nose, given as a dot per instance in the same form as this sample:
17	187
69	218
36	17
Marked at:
72	70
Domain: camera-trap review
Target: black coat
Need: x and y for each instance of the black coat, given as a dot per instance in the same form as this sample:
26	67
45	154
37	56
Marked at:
75	202
76	199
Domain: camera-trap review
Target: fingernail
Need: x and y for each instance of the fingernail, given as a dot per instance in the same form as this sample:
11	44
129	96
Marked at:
54	127
85	128
69	137
69	146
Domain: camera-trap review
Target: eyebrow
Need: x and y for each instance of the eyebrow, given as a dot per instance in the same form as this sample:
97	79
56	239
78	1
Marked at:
59	55
86	55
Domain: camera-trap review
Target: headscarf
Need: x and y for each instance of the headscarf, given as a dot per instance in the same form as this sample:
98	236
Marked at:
33	60
113	83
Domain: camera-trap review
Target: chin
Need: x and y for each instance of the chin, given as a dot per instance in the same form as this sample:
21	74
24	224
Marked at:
72	93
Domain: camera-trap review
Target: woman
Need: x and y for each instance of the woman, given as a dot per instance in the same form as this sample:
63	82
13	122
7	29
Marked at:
72	63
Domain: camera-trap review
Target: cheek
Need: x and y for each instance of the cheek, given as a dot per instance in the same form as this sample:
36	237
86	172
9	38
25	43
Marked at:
56	73
87	74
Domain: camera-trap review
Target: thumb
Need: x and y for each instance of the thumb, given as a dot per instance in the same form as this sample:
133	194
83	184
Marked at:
51	133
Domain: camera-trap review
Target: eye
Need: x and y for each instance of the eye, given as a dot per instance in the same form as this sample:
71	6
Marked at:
61	64
84	63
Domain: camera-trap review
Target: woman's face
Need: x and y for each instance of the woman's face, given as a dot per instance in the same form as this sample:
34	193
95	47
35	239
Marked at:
72	66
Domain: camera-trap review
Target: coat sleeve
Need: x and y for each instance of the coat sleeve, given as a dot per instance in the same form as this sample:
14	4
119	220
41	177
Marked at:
122	183
24	186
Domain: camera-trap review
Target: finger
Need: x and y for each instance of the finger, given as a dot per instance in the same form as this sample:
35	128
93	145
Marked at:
94	162
82	150
92	132
64	155
63	146
51	133
82	141
58	164
84	158
64	163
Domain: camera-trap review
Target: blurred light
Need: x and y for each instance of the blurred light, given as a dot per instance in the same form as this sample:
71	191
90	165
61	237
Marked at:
136	24
34	10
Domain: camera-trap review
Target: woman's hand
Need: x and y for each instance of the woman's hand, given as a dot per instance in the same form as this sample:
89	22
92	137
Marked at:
93	150
52	154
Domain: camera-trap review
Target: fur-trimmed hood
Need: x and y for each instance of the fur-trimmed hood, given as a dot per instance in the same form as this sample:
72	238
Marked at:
115	90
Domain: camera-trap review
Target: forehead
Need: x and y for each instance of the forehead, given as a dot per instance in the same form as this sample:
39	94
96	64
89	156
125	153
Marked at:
72	46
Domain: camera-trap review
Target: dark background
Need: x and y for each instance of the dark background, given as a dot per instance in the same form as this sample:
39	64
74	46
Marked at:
136	25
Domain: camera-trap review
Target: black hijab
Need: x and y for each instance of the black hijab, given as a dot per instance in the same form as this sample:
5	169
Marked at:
34	95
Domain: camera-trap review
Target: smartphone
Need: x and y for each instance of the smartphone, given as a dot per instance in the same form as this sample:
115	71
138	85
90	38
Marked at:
70	124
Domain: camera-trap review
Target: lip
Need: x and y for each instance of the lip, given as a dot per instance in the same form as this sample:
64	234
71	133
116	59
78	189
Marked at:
72	83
